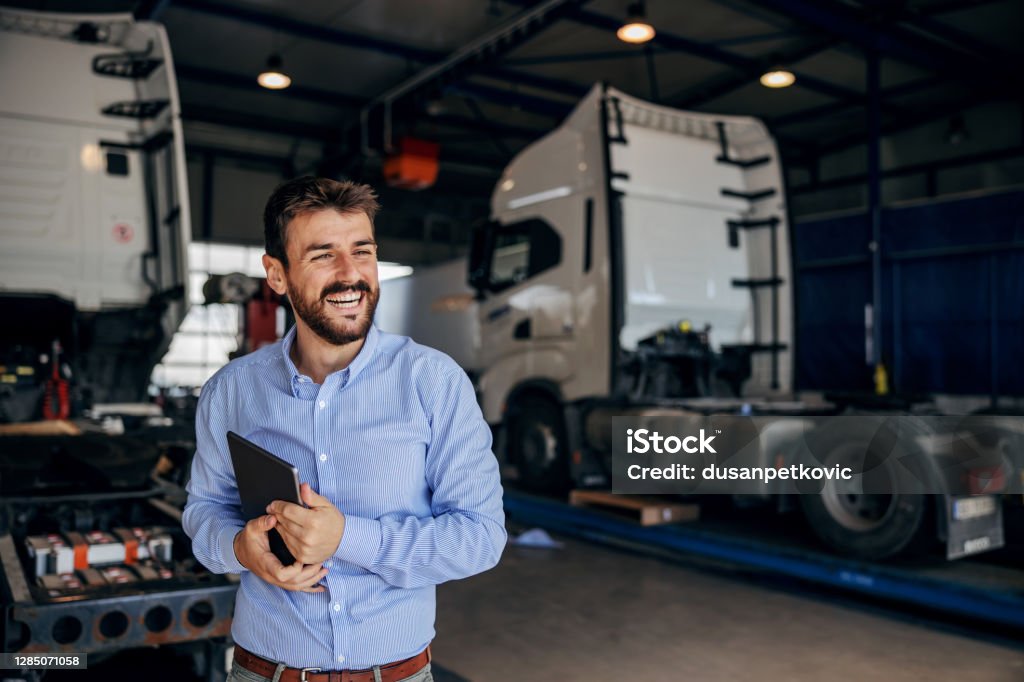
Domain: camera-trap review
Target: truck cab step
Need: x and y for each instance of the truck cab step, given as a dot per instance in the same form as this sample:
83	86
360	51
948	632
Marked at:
744	163
749	196
141	109
128	65
758	283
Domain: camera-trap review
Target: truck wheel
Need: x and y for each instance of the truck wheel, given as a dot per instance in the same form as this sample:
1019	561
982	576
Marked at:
867	525
537	446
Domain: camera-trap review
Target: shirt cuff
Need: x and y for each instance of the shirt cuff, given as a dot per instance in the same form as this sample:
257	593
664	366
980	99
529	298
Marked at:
360	542
227	550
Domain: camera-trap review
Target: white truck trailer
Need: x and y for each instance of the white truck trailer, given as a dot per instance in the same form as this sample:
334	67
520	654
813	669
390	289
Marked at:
94	219
637	263
94	224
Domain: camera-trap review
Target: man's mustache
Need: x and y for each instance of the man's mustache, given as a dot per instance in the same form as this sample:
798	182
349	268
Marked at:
340	288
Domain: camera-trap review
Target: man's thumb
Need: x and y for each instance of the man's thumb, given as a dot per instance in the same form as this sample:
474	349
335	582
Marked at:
309	497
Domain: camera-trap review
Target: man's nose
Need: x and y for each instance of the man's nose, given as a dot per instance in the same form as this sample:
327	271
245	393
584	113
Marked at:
346	270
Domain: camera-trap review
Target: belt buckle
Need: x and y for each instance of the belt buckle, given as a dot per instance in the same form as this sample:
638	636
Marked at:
302	673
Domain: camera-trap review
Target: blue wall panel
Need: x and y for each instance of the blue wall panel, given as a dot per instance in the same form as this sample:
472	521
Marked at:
952	299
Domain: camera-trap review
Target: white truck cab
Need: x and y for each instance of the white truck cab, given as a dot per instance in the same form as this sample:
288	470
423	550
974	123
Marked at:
637	264
627	247
94	219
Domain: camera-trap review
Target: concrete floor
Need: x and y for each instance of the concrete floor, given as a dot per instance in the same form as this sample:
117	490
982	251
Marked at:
587	612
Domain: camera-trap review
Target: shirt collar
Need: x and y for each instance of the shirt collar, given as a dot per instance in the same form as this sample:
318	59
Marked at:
358	363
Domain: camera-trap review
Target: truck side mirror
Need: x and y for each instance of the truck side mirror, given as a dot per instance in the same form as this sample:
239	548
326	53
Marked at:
481	249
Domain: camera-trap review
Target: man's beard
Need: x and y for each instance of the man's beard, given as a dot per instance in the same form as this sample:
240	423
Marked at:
315	313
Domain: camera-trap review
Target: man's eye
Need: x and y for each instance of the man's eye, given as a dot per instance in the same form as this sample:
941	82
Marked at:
322	256
363	253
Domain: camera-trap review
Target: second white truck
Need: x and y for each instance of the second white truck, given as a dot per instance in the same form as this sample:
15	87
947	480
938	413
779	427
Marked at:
637	264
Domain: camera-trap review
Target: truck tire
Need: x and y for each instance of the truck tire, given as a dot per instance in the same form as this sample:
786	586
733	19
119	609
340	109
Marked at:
537	446
865	525
871	527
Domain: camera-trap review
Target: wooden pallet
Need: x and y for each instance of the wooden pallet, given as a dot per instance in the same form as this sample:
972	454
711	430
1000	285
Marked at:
649	511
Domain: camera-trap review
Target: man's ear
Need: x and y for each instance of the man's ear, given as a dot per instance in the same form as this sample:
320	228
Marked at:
275	274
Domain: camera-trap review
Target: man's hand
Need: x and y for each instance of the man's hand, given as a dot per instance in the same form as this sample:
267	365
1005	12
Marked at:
252	548
312	534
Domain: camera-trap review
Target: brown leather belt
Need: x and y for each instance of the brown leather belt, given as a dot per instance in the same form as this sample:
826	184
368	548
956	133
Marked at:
392	672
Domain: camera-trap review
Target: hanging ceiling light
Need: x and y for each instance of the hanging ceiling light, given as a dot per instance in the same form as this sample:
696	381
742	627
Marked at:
777	78
272	77
636	30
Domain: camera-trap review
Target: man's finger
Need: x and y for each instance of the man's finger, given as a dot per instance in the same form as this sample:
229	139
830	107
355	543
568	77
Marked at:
292	537
290	525
287	574
317	572
311	498
309	575
312	574
270	563
256	532
291	512
263	523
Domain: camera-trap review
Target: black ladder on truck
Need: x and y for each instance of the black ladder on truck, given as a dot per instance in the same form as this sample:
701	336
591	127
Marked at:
772	283
140	66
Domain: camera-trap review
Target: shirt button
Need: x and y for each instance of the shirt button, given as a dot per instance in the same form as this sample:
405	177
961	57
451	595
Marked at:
323	404
323	457
327	563
337	606
341	659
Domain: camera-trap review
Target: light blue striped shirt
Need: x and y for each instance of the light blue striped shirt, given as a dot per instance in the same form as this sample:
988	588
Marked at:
397	442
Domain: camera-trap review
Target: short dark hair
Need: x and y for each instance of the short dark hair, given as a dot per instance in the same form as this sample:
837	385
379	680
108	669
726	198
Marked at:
310	193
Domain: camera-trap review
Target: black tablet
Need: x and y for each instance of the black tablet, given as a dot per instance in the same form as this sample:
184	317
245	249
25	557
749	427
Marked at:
262	478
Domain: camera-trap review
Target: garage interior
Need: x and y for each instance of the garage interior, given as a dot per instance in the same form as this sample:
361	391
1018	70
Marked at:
870	262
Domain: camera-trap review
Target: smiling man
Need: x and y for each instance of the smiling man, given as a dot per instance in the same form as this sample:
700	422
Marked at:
400	488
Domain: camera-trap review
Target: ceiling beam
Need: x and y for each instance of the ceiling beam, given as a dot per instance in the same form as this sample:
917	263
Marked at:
480	53
748	65
542	106
916	19
570	57
219	78
361	41
694	97
201	113
340	100
284	24
949	6
149	10
901	124
868	33
282	164
918	85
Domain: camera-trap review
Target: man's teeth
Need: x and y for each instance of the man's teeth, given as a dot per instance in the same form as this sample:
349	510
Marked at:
346	301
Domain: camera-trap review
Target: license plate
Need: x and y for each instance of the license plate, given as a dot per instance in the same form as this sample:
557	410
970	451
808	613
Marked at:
974	507
973	525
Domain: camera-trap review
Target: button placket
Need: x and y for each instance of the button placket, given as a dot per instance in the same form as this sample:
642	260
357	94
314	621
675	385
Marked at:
324	422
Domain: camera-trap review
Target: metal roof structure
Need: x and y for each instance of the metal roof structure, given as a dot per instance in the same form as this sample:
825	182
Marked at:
485	77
